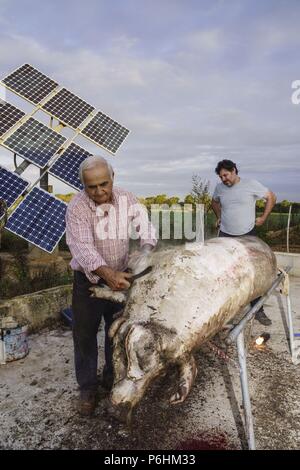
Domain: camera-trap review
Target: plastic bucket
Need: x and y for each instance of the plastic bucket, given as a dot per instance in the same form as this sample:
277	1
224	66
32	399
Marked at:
14	344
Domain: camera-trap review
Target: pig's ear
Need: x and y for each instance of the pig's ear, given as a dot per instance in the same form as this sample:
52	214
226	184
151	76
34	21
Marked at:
142	352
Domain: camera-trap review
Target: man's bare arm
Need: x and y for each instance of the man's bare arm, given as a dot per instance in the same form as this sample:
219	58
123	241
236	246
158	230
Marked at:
216	207
271	200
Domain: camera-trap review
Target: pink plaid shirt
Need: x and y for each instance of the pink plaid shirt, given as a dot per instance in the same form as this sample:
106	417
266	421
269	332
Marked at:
98	235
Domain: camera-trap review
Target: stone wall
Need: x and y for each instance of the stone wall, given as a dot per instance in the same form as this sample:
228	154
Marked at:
289	259
39	309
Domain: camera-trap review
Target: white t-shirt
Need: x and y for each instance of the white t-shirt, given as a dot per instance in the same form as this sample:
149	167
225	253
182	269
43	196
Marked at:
238	205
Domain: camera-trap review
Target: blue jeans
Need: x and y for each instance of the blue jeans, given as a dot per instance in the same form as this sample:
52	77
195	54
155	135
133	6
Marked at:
87	315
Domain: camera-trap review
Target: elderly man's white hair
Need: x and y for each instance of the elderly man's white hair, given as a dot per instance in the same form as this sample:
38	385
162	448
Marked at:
92	162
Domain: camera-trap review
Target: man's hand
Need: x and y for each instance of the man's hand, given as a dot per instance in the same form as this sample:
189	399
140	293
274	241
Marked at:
116	280
139	260
260	221
218	223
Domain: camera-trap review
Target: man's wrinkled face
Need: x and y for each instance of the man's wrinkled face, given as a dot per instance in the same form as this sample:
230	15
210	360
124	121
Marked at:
229	178
98	183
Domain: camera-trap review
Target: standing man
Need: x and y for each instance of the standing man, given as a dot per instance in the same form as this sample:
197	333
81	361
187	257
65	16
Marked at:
233	203
98	222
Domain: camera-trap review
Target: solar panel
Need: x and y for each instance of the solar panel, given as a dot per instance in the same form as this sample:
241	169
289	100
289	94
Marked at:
39	219
9	116
11	186
67	166
30	83
35	142
68	108
104	131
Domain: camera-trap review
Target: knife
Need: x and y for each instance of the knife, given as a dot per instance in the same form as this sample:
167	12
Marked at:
141	274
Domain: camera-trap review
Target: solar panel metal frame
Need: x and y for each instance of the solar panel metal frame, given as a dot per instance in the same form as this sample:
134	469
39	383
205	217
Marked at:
13	109
60	119
16	150
16	211
14	177
90	123
60	161
22	95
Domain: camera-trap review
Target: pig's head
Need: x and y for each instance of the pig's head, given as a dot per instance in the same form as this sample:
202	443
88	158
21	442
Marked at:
137	361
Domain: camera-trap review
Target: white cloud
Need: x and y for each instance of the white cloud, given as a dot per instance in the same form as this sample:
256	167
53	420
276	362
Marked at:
205	41
184	113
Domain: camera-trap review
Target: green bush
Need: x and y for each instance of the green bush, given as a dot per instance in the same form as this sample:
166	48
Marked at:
12	243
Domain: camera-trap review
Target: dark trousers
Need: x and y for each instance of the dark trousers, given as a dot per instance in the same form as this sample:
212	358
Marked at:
252	232
87	314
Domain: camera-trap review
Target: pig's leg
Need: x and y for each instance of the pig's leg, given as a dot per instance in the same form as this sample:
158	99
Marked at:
116	324
119	297
188	373
119	353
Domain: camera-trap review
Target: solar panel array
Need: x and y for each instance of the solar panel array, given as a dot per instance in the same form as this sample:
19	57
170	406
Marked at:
106	132
35	142
40	219
67	166
68	108
12	186
9	116
30	83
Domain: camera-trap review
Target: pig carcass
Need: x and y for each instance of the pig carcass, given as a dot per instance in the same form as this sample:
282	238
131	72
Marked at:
190	294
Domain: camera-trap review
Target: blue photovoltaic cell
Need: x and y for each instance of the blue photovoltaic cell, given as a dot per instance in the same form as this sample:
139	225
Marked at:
39	219
11	186
68	108
67	166
9	116
105	132
30	83
35	142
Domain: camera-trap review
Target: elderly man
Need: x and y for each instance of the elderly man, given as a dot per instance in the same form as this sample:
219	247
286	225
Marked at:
98	223
233	203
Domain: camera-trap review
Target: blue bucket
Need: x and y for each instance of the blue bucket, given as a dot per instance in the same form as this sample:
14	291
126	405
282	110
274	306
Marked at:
67	316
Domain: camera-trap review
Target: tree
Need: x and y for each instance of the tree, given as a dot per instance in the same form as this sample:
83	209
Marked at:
173	200
285	203
160	199
189	199
65	197
260	203
150	200
200	191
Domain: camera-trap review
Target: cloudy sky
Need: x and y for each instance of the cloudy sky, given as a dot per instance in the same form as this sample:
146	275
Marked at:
195	81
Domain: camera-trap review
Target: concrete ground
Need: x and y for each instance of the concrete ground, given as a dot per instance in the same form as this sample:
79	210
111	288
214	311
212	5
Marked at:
38	398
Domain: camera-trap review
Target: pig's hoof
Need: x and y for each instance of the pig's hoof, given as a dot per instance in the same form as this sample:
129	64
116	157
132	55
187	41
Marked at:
180	395
187	372
122	413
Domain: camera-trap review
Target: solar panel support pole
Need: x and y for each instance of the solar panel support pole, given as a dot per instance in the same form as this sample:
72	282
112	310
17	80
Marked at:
22	167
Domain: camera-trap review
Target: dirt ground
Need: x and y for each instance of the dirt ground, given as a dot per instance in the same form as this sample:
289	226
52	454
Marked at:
38	396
